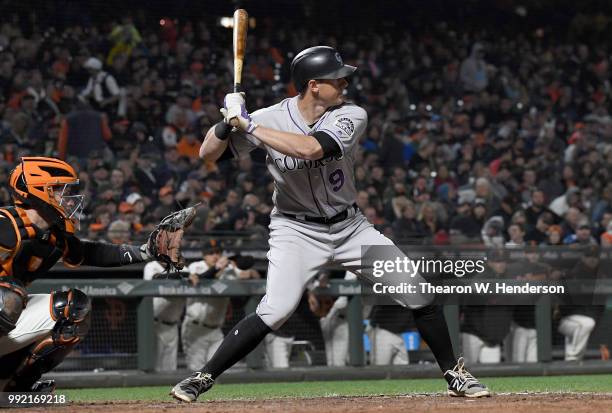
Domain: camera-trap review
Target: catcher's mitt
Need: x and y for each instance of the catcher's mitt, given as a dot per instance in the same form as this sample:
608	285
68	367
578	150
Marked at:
164	243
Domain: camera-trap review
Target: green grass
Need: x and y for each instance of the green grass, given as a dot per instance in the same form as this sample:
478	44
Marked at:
582	383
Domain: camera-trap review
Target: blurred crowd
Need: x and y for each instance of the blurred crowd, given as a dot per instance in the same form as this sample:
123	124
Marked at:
472	137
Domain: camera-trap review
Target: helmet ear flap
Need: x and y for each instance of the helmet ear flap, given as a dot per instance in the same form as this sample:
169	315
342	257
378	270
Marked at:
17	184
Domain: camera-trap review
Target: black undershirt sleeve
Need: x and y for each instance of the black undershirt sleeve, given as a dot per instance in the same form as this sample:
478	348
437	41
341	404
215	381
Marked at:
329	145
103	254
209	274
227	154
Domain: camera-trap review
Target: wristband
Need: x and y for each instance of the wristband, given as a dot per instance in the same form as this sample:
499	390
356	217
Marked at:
222	130
144	252
252	127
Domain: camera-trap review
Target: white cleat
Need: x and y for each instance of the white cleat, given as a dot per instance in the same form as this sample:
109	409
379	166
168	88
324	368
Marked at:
461	383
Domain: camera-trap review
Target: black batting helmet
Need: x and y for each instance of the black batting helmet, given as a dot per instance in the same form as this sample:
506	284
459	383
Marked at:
319	62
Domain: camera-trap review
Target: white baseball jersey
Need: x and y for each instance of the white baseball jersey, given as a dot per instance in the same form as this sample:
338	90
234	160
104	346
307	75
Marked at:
320	188
299	248
209	310
168	310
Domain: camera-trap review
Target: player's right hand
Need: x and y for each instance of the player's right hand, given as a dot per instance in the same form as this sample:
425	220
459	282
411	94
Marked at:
241	115
313	302
221	263
194	279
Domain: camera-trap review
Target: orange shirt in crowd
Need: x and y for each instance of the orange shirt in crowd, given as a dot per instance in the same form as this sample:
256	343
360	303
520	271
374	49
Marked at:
189	149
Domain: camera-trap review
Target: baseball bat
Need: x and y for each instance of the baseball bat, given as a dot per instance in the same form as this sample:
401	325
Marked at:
241	21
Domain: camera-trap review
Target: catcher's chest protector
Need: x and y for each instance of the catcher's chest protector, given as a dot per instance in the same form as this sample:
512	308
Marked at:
35	251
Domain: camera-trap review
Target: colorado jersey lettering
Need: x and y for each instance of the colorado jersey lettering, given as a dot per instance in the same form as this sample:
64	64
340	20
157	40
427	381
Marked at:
323	187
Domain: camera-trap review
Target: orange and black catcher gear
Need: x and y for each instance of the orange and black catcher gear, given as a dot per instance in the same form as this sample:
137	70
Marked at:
46	185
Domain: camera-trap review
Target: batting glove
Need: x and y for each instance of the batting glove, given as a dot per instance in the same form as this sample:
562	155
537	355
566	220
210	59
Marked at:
241	115
234	99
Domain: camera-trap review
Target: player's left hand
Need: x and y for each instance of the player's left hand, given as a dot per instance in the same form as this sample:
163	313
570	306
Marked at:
241	115
164	243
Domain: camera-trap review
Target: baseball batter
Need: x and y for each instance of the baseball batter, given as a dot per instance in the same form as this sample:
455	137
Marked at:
311	141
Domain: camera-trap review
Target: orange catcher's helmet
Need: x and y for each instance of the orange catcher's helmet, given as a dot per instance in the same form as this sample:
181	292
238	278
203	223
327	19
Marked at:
49	186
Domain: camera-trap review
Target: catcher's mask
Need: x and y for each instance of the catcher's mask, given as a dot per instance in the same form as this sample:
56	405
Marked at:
49	186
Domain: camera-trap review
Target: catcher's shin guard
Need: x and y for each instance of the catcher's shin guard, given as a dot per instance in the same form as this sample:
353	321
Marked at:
72	311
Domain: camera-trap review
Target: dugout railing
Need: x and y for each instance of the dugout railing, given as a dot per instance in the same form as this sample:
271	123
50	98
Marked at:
143	291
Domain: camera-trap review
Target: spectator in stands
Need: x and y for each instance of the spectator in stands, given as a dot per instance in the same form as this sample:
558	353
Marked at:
232	201
606	237
484	192
372	215
118	232
602	227
464	224
83	131
118	185
189	146
176	128
506	209
473	72
536	207
554	235
516	233
604	204
146	175
167	203
428	219
582	237
408	228
480	212
102	90
561	204
125	37
492	233
538	235
572	218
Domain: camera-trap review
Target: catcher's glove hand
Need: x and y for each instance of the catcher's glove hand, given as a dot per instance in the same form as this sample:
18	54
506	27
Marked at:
164	243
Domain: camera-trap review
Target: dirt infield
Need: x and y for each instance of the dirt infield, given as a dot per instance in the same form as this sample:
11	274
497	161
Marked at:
501	403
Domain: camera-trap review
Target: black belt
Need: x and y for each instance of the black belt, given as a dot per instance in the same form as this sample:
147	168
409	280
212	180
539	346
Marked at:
168	323
324	220
198	323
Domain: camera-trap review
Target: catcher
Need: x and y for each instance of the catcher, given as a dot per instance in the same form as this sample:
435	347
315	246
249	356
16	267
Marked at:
38	331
